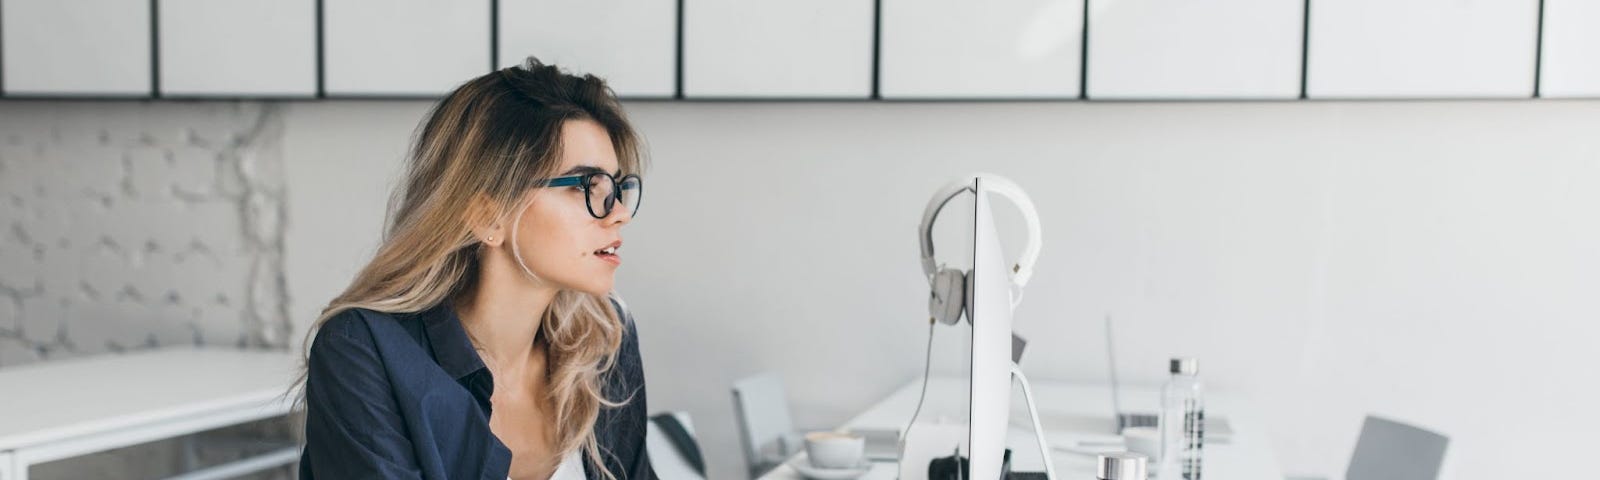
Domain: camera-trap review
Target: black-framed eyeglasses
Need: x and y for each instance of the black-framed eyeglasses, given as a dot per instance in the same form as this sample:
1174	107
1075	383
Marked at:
602	192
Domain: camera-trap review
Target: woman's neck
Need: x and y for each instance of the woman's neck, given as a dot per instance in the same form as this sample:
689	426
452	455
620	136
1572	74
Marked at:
502	316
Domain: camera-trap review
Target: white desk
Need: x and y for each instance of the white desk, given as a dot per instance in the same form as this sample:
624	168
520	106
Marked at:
55	410
1068	411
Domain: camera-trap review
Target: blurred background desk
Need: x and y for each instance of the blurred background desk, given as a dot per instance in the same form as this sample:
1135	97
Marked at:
1069	412
74	407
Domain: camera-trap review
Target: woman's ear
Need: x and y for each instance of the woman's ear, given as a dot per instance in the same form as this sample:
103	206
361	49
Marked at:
483	219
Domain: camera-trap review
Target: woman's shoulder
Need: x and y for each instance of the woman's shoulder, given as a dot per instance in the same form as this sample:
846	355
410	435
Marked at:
370	344
362	328
345	360
350	324
343	337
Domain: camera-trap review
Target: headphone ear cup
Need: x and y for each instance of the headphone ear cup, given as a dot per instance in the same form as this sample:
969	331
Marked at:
937	297
947	298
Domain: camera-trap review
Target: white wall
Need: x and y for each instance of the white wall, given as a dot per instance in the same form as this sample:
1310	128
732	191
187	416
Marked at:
1426	260
138	225
128	226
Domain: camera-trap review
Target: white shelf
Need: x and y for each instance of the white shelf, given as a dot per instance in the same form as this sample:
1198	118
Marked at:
964	49
1422	49
238	48
634	49
777	48
66	401
77	48
403	47
1187	49
1571	59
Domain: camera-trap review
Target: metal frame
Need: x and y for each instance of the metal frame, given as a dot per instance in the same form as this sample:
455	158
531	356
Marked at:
276	458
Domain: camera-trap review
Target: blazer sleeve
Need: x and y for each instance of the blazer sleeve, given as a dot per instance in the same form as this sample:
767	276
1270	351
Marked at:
354	429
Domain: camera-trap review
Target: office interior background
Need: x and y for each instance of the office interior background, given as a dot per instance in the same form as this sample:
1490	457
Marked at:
1342	208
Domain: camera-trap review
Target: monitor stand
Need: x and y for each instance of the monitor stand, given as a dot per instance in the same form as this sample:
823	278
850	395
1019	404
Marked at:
1038	431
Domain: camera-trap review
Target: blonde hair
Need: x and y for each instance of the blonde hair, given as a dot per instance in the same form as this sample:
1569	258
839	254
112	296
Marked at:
494	137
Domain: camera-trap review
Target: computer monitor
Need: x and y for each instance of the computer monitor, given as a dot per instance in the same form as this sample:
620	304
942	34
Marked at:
990	294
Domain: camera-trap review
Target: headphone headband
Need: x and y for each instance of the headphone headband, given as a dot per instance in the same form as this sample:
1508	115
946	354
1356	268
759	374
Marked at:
1023	269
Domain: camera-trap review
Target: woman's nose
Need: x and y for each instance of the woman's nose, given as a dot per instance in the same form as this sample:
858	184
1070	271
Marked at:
620	214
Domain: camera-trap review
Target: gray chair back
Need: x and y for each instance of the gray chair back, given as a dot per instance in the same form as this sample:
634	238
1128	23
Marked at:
669	460
1390	450
762	409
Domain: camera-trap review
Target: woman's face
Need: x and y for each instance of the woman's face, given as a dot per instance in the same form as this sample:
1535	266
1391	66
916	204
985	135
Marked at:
559	240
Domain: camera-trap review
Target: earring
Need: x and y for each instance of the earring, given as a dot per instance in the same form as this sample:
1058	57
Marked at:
490	239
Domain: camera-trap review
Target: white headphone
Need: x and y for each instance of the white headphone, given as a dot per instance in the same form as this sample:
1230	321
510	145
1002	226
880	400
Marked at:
949	289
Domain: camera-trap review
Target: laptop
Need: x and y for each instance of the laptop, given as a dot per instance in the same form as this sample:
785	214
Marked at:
1125	419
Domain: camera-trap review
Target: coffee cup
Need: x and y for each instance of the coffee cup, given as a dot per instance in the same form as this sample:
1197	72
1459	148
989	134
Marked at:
835	449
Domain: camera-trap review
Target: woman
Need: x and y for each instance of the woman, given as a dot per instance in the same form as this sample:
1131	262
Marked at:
482	341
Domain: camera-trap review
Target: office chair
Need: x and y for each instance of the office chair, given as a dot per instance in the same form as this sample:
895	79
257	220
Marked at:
1390	450
674	452
767	432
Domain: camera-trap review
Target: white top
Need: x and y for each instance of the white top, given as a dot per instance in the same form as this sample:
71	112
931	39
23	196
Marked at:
571	468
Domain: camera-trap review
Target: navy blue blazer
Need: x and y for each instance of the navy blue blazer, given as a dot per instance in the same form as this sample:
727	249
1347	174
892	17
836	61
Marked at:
406	396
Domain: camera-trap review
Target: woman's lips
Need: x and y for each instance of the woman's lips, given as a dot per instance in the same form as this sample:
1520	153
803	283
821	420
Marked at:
610	253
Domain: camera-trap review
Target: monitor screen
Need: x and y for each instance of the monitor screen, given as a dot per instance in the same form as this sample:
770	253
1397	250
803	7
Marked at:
989	291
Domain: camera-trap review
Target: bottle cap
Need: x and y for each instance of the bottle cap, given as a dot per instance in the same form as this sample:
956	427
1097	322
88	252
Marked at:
1121	466
1184	366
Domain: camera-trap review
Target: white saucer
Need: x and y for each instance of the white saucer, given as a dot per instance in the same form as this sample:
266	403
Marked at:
801	463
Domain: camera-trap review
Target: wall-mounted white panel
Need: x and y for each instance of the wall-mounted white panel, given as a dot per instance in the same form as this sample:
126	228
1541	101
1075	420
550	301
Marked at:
1571	59
970	49
238	47
403	47
1422	48
631	44
1195	49
76	48
777	48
